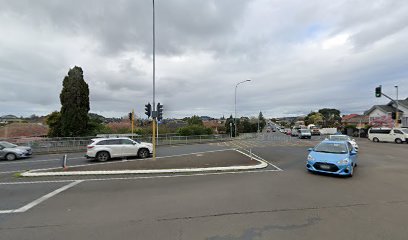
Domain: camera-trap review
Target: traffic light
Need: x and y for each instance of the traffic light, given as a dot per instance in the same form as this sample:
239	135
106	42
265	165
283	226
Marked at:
148	109
394	115
159	112
378	91
130	116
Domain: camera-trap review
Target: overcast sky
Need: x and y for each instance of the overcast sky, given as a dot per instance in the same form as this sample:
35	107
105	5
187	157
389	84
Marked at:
300	55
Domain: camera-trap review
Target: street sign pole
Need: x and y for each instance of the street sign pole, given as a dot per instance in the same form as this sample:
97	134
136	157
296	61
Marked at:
133	120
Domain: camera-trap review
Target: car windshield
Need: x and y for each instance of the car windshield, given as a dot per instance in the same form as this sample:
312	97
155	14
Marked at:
331	148
405	130
8	145
305	131
339	138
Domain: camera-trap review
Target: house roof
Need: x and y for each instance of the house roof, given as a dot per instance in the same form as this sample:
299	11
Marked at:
347	117
383	108
403	102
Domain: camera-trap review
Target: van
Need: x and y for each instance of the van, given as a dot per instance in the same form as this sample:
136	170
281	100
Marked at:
397	135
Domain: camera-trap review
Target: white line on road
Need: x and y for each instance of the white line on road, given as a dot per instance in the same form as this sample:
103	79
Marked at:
144	177
41	199
261	159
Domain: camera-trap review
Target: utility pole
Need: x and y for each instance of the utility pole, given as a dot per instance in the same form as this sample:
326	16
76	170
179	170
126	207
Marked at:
235	117
154	114
133	120
397	113
258	120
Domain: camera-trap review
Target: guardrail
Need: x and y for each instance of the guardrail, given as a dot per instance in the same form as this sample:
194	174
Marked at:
78	144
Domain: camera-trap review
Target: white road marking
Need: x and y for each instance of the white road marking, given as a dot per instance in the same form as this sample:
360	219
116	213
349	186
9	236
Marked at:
10	172
6	211
144	177
262	164
41	199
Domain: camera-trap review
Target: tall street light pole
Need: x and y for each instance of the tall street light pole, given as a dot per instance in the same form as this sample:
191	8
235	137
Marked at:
154	87
235	118
397	113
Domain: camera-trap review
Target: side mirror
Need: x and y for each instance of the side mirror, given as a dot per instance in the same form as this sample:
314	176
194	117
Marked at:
310	149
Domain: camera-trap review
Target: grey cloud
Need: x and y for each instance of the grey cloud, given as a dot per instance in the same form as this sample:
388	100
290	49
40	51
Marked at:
276	44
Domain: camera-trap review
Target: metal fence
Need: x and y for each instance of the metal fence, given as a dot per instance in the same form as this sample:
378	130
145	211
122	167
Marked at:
77	144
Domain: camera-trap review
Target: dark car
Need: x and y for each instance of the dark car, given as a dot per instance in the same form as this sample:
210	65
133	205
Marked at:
11	151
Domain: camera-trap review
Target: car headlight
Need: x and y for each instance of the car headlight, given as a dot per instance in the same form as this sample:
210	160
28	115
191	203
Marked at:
344	161
310	158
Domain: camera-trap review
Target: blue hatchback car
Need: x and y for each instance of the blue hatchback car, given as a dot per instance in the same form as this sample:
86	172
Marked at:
334	157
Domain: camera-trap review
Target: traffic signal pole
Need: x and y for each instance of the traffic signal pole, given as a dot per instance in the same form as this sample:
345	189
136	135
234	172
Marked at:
133	120
379	93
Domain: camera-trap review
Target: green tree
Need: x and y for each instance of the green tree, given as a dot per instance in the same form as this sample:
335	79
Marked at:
194	120
262	121
331	117
315	118
74	99
54	123
194	130
228	123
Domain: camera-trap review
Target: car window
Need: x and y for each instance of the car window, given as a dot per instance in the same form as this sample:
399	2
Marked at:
331	148
350	147
339	138
405	130
114	142
398	131
8	145
127	141
104	142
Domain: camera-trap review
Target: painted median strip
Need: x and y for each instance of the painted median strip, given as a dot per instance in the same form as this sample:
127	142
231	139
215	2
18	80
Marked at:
261	164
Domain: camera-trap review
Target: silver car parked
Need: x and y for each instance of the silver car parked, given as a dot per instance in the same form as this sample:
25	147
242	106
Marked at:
11	151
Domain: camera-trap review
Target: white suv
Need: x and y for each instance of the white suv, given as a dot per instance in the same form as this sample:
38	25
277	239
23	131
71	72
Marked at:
103	149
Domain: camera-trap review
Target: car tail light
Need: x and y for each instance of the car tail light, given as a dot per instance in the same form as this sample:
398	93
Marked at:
89	147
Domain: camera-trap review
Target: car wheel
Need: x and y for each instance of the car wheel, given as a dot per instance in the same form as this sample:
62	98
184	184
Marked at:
143	153
376	139
398	141
11	157
102	156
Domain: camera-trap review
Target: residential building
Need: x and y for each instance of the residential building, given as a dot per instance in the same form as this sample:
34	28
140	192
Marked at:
381	115
355	119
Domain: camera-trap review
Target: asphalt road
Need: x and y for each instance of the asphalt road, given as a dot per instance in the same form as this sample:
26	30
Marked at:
266	204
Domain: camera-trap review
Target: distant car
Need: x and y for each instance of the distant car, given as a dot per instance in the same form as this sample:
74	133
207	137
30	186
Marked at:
12	152
334	157
315	131
294	132
103	149
344	138
288	131
305	133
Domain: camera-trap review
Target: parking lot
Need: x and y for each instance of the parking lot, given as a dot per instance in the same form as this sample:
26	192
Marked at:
258	204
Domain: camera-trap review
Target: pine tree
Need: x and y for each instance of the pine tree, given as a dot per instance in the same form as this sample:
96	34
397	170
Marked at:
74	99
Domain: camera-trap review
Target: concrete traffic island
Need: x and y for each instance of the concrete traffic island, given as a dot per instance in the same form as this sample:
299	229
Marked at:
224	160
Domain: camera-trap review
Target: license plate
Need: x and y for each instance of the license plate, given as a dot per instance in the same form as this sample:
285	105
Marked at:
325	167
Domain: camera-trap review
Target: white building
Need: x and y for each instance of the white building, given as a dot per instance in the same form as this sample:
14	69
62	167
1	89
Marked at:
380	115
